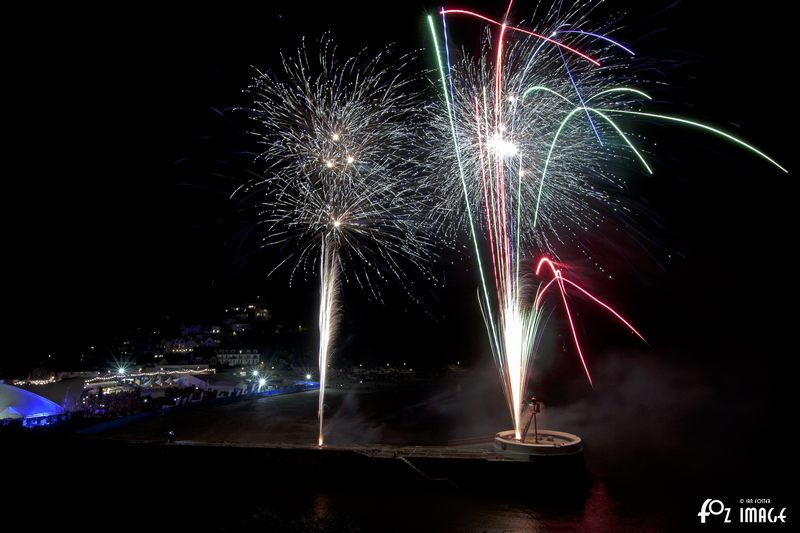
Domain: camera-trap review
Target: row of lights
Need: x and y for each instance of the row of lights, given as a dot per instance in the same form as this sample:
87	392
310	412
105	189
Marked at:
122	372
21	382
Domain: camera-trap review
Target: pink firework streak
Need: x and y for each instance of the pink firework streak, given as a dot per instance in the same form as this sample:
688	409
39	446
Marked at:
561	281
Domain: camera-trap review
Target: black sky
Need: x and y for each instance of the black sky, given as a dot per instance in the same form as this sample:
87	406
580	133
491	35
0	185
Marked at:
122	127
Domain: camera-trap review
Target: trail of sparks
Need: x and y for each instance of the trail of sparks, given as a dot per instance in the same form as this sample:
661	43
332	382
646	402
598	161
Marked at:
525	164
462	180
513	338
705	127
328	317
578	94
340	194
598	36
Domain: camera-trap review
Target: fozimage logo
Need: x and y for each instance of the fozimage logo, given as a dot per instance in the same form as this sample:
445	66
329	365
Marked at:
714	508
750	511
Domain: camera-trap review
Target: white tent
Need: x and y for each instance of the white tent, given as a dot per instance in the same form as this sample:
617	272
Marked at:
20	403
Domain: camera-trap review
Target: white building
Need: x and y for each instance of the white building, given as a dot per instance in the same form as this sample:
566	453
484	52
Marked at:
239	357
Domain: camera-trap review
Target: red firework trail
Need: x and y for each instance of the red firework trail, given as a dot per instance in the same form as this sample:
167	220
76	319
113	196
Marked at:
560	280
503	25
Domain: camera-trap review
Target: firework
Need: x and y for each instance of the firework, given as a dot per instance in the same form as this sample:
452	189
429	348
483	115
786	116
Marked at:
529	131
340	194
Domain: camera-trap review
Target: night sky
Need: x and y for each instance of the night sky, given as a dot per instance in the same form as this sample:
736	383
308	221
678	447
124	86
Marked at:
125	149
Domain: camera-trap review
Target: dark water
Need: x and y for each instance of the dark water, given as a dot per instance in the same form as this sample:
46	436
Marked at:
644	474
498	510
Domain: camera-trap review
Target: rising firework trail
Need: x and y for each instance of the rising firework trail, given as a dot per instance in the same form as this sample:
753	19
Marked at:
339	194
529	129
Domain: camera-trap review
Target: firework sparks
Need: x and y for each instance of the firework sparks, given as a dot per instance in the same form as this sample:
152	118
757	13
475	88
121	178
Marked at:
531	131
328	315
340	194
